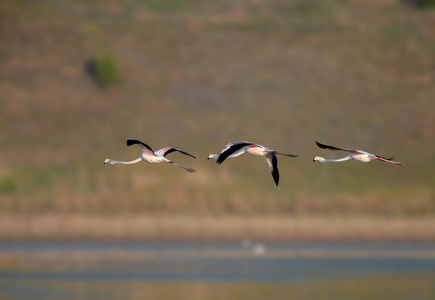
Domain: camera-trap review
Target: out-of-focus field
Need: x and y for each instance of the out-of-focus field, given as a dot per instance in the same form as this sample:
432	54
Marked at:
373	287
377	287
198	74
299	227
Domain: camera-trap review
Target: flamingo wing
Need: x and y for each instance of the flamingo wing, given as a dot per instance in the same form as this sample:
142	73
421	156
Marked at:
272	161
165	151
323	146
145	148
230	148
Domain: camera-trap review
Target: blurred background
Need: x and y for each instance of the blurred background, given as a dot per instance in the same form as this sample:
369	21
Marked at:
77	78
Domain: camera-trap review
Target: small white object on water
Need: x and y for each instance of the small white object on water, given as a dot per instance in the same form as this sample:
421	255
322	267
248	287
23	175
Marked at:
259	249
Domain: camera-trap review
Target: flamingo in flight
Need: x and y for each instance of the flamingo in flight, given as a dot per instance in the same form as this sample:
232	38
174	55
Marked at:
149	156
358	155
235	149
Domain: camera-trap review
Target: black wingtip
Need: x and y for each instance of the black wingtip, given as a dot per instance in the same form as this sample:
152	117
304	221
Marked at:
220	160
131	141
323	146
275	178
320	145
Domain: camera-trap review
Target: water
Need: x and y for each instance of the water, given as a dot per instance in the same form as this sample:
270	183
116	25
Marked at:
216	270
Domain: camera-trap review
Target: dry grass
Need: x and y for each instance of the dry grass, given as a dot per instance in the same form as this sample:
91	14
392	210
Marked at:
381	287
223	227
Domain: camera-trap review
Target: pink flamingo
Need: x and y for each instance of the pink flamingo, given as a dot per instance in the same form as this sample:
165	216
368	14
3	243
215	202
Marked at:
149	156
235	149
358	155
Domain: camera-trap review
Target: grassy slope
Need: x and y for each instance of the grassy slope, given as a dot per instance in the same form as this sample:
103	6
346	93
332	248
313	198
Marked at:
198	74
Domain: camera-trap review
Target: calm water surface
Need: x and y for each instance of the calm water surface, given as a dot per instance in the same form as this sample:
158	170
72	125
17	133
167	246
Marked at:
215	270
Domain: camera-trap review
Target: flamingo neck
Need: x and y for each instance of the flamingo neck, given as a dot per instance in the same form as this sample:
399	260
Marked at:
127	162
238	153
216	156
337	159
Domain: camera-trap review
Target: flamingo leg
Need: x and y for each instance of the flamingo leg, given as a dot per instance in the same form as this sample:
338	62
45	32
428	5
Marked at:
390	161
184	168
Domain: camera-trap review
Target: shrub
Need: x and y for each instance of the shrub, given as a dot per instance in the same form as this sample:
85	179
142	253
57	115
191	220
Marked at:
421	3
8	185
103	67
426	3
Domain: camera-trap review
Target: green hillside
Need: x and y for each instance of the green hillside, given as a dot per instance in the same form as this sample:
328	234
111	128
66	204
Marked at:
198	74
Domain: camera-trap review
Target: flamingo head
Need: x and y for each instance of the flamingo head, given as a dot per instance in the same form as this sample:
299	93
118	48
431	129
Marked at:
318	158
214	156
108	161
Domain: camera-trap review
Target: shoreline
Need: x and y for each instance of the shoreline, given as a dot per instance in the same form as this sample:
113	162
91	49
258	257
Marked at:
303	227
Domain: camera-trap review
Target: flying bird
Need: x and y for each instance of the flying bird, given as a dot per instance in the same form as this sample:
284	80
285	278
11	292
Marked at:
235	149
358	155
149	156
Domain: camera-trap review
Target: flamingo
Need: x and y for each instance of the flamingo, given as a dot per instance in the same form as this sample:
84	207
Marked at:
358	155
149	156
237	148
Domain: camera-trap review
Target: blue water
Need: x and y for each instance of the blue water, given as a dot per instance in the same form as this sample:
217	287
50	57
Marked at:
213	261
27	266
